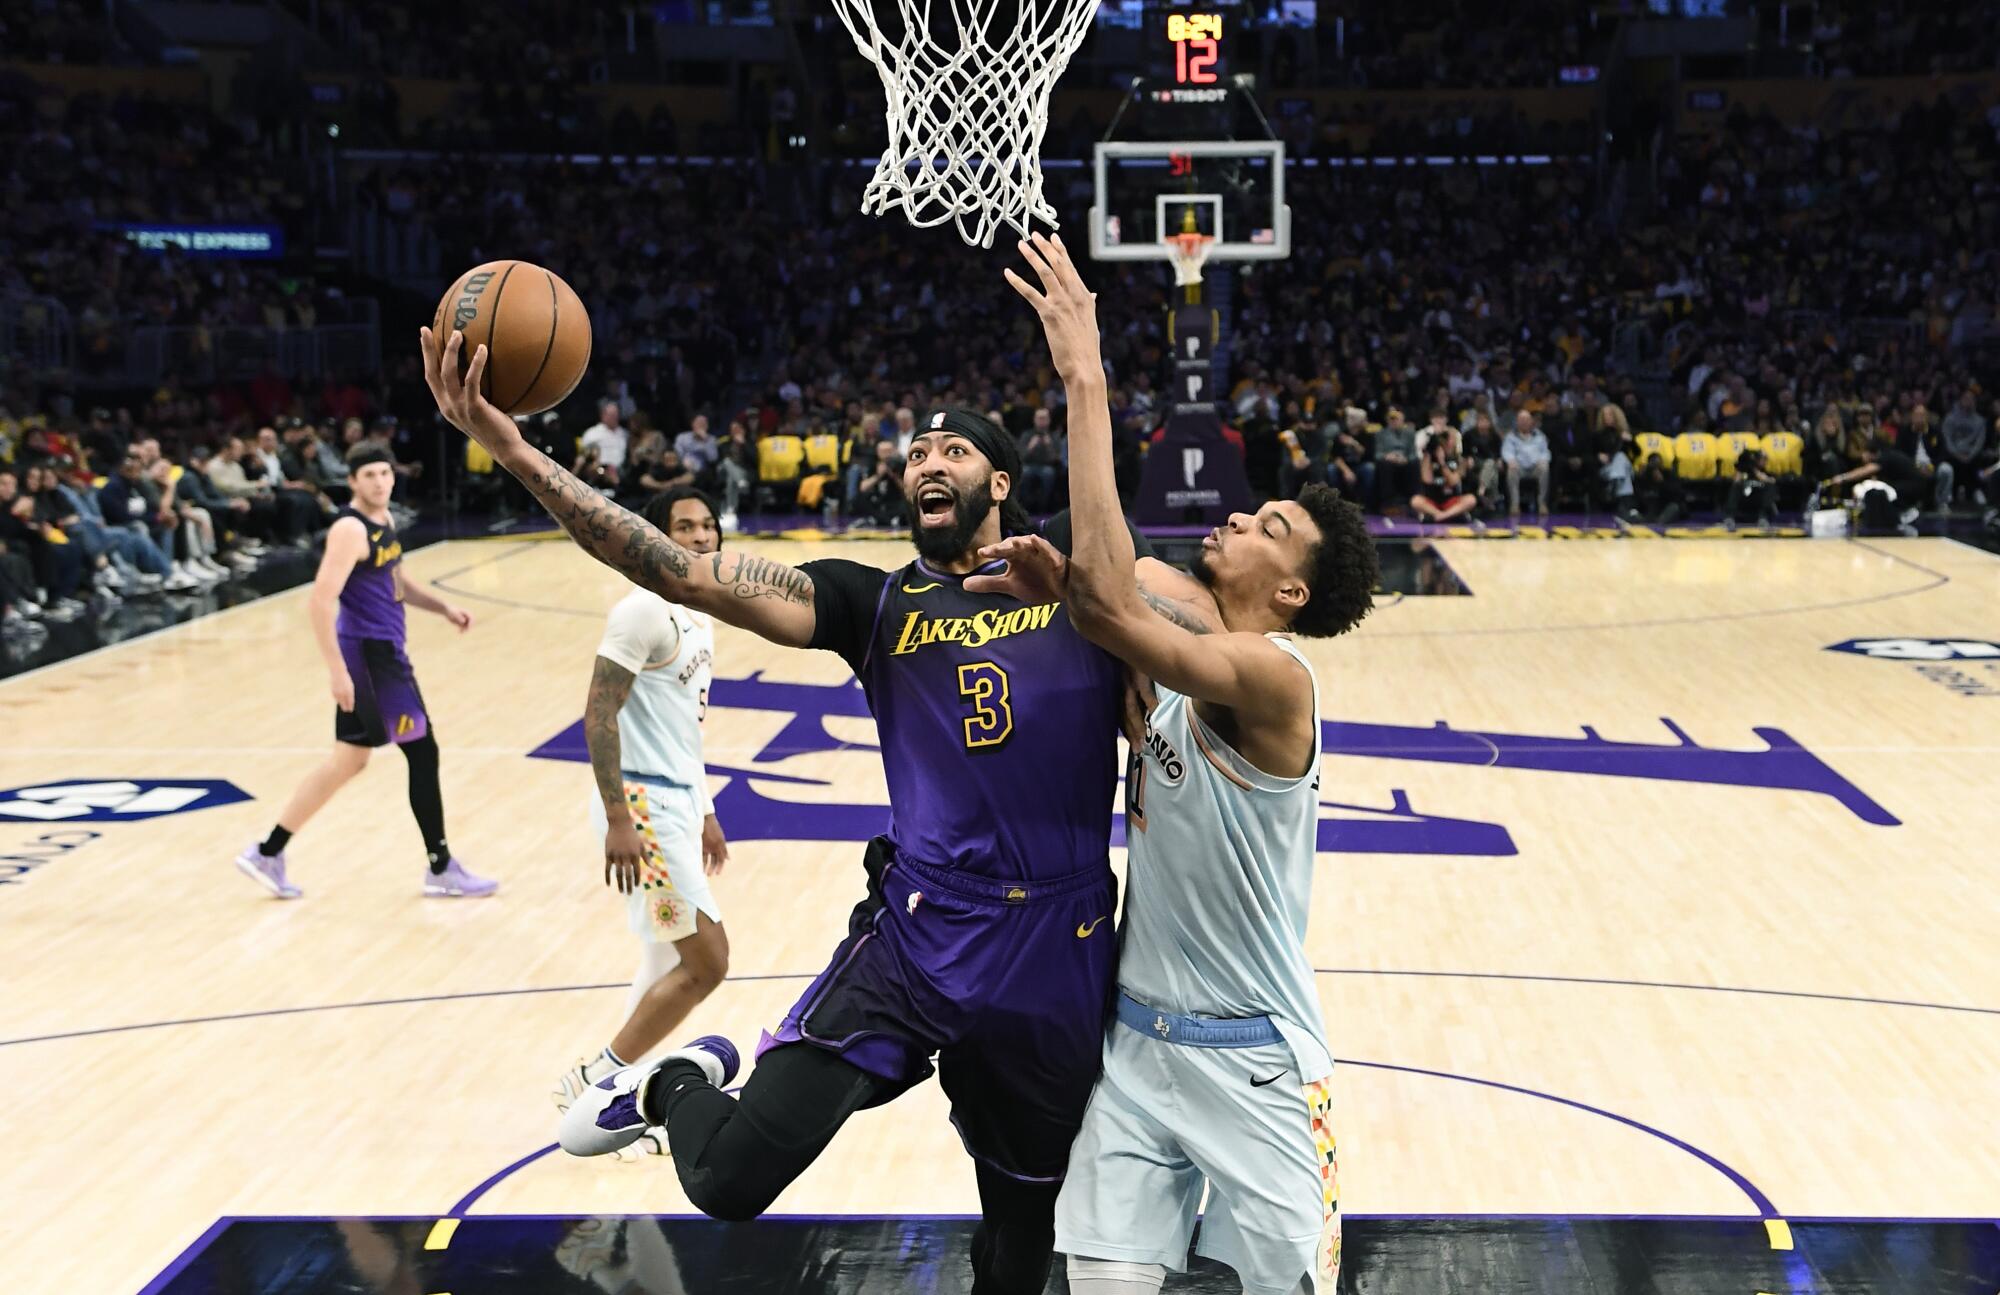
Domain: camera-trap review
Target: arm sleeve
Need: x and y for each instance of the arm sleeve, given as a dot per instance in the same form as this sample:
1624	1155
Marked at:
634	636
846	596
1057	531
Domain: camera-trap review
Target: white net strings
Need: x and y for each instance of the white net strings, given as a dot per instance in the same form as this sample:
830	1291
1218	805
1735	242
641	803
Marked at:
966	119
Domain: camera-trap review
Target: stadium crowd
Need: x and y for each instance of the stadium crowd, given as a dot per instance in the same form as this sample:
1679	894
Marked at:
754	330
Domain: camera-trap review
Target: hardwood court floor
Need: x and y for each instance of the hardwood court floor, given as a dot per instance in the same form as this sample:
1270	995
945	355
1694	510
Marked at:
1637	900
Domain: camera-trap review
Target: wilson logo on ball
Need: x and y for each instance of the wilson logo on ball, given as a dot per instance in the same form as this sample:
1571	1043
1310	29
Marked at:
468	300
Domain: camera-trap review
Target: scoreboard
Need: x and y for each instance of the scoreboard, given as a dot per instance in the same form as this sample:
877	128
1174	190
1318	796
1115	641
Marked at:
1196	42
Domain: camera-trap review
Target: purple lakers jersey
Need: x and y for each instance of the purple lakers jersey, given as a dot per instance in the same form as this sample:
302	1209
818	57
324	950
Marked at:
998	721
370	607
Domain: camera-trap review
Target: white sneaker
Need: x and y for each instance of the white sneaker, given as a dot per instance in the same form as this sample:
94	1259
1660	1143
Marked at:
242	562
110	577
147	583
64	611
608	1115
214	568
579	1077
180	581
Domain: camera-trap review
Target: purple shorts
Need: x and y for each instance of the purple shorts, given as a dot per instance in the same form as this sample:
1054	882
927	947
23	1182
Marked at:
387	706
1008	985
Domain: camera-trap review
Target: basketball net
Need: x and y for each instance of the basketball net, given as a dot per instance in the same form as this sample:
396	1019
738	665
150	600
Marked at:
1188	251
966	114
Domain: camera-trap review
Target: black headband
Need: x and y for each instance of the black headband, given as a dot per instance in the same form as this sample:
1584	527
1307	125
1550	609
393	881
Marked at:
987	436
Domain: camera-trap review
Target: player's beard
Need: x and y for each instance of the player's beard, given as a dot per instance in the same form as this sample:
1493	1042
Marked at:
1198	568
949	543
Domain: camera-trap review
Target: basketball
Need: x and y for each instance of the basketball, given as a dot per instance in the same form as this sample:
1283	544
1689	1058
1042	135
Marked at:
535	330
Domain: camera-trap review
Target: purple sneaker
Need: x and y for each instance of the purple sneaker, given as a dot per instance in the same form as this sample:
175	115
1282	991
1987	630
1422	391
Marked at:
606	1116
267	870
455	882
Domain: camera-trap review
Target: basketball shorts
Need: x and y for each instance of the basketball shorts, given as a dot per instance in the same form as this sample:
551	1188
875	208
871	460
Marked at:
1007	985
1168	1119
387	706
672	887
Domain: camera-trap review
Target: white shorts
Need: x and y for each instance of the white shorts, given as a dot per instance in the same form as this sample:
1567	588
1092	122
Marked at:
672	887
1165	1119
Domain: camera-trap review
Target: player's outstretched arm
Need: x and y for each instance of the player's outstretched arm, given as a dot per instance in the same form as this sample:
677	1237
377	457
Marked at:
1244	672
765	597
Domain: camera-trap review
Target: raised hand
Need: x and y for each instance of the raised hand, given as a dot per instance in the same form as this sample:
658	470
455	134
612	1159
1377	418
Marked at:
458	397
1067	308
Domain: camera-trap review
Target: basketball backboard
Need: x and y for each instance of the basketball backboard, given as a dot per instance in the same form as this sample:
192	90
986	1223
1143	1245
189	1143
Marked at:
1231	190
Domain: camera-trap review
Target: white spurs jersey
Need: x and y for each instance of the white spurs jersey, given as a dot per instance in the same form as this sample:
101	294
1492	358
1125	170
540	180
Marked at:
669	650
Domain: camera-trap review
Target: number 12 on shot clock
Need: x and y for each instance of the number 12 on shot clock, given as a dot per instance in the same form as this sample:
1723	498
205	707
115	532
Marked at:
1197	42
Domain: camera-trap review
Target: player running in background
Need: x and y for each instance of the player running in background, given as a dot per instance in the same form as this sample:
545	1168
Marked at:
648	697
357	617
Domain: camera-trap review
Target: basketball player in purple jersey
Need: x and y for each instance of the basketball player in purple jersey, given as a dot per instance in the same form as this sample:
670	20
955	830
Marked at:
374	689
985	938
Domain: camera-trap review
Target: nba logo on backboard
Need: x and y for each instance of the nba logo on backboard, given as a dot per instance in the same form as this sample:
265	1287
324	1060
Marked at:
1191	461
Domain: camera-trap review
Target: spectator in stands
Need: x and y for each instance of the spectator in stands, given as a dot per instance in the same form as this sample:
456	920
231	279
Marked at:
133	501
1041	460
737	468
1481	442
124	559
266	465
1658	497
1962	438
58	566
670	470
1910	485
1752	490
1395	460
879	499
229	517
1525	453
611	441
699	450
1441	494
1349	469
265	517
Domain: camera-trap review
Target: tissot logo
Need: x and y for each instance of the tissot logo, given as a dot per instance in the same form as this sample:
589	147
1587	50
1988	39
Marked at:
1913	649
115	801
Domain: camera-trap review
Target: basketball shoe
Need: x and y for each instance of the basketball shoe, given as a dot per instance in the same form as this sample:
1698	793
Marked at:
609	1115
267	870
456	883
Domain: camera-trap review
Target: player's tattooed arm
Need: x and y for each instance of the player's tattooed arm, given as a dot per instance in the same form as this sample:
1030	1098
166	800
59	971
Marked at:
762	596
747	576
1179	613
614	536
610	685
617	537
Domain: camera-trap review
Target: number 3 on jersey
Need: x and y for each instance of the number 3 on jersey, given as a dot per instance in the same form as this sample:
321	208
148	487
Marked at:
992	720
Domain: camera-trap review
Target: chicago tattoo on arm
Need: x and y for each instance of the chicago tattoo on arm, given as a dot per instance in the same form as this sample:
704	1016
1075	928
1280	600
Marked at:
1176	613
610	684
747	576
614	536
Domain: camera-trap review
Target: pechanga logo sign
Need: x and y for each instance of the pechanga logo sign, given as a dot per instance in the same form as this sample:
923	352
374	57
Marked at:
124	801
1934	658
753	807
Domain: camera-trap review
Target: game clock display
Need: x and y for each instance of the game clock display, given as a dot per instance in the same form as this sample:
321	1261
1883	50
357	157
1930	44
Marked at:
1197	42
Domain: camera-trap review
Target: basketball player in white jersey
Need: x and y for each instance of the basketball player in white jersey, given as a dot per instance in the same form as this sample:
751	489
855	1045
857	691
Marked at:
1216	1069
648	696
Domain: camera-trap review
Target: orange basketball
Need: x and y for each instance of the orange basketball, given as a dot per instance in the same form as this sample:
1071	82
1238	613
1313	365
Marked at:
535	330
